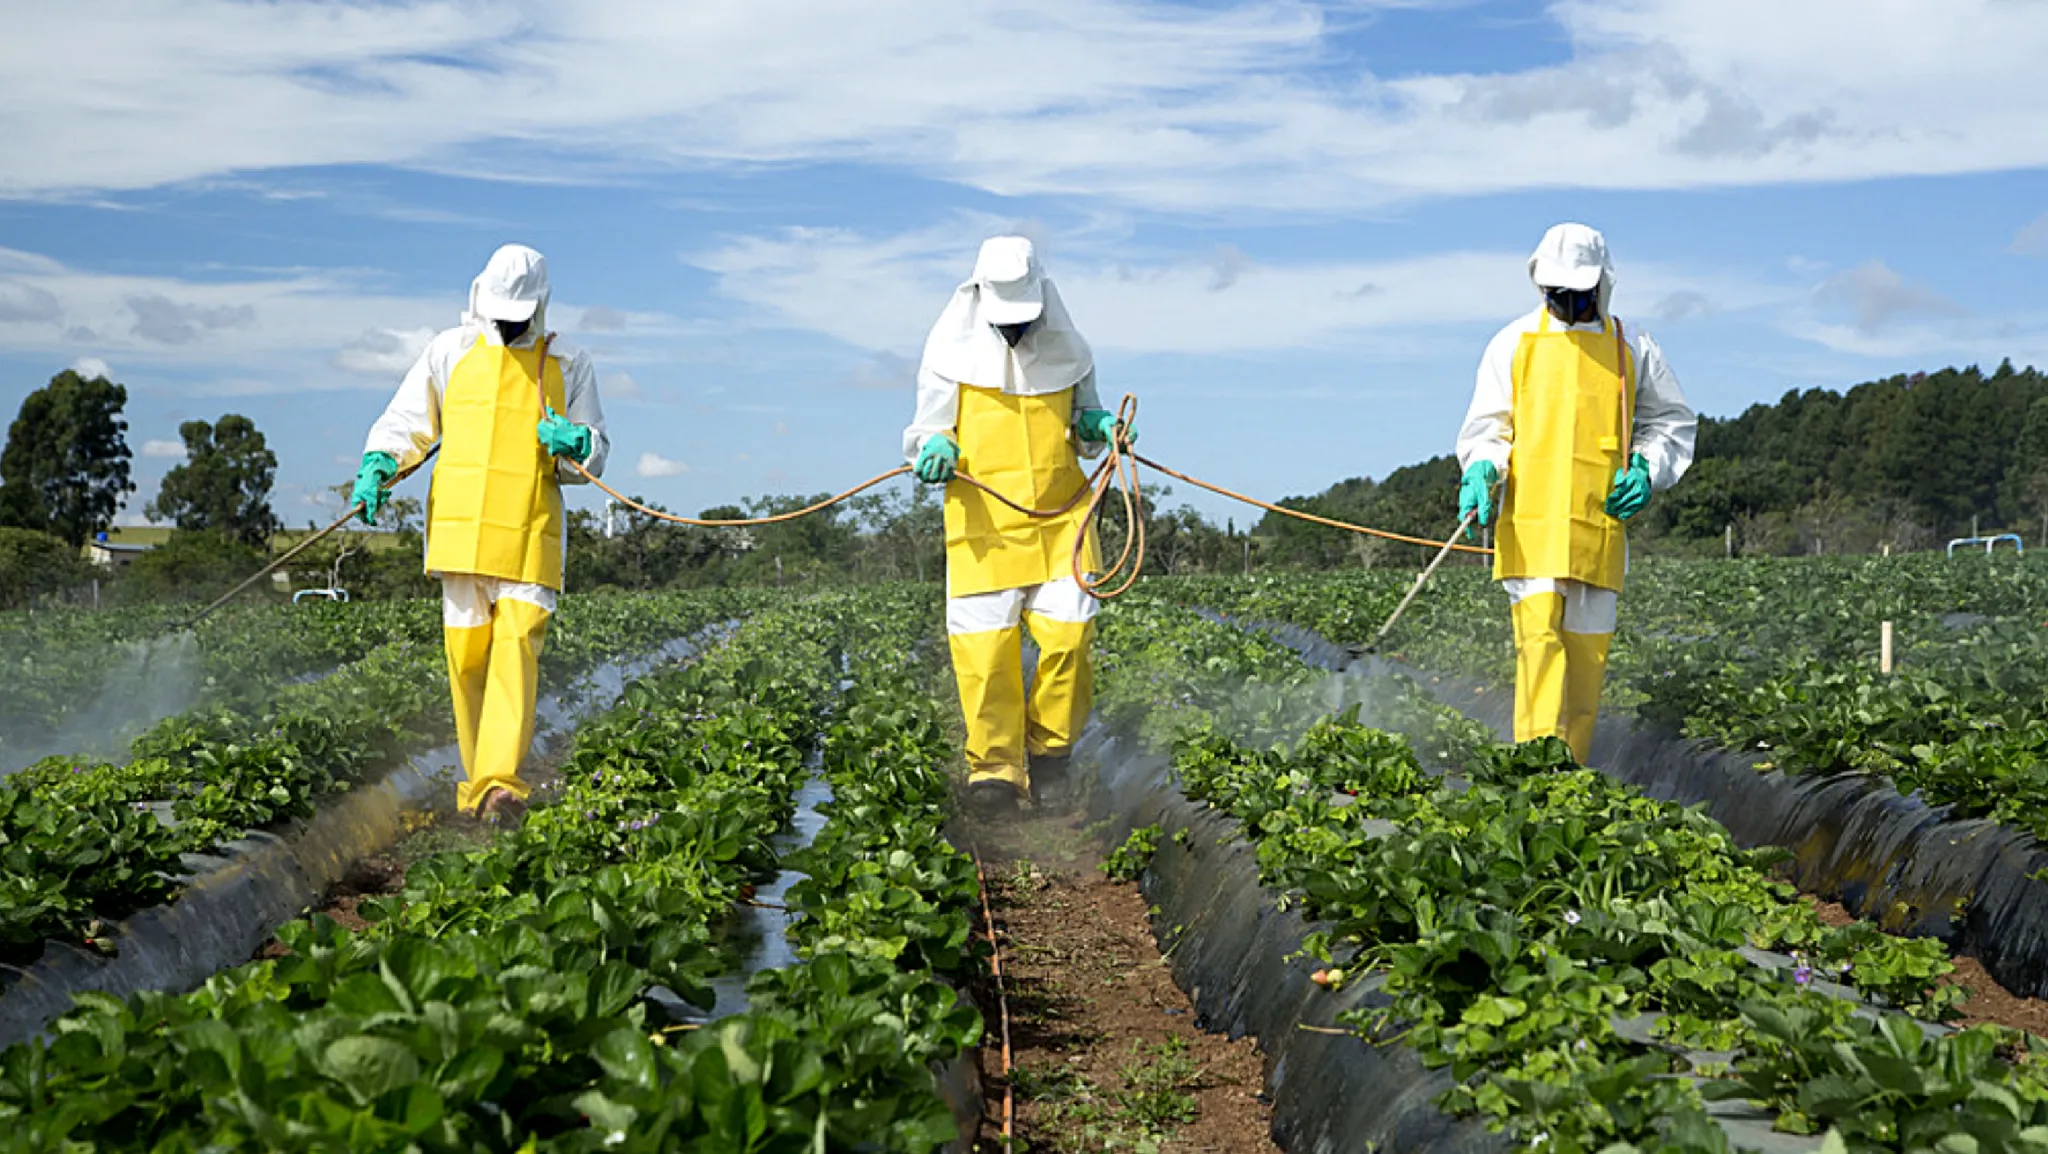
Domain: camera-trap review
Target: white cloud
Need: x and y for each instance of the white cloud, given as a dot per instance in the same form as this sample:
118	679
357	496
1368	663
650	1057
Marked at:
252	333
1877	296
603	318
2032	238
161	320
656	465
90	367
885	371
167	450
622	387
383	353
256	332
886	290
1683	304
1204	109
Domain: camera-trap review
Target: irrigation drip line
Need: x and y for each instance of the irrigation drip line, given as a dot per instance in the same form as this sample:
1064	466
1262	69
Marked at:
1118	470
988	924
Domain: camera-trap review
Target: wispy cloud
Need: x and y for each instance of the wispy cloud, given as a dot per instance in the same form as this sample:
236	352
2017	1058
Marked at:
1877	296
604	319
2032	238
886	290
1202	109
382	353
622	387
165	450
242	332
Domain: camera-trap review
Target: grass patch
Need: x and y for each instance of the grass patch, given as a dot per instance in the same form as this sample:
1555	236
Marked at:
1152	1100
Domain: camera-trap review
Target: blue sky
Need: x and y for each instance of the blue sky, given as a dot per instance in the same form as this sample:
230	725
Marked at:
1288	227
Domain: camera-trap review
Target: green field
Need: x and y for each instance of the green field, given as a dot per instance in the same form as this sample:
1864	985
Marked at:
1579	958
282	540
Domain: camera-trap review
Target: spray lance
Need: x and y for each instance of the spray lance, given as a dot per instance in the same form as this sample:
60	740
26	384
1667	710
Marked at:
1422	578
299	548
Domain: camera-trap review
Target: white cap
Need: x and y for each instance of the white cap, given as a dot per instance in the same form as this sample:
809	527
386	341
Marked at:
1012	285
512	287
1570	256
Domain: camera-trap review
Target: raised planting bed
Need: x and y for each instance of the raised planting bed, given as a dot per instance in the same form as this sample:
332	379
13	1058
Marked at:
1778	656
1581	965
234	898
87	683
512	998
84	845
1907	865
1233	945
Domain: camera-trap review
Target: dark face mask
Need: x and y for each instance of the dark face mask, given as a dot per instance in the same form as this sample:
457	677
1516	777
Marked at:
509	331
1573	306
1014	333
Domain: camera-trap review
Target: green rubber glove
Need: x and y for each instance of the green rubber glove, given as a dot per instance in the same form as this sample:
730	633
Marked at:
935	459
1631	489
372	484
1096	426
564	438
1475	493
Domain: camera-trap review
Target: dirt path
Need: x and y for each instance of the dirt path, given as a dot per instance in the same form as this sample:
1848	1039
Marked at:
1106	1051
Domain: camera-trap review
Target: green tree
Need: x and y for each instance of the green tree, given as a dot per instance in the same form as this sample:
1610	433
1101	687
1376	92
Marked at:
2026	484
189	565
65	468
224	485
33	563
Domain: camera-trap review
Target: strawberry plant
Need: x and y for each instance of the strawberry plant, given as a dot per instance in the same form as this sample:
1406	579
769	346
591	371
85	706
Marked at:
85	848
507	999
1579	957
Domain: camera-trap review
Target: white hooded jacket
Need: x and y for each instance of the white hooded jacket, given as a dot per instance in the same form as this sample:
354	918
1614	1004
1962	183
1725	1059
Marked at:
964	347
514	282
1575	256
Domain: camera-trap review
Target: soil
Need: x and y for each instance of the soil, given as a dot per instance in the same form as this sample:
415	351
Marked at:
1989	1002
1105	1047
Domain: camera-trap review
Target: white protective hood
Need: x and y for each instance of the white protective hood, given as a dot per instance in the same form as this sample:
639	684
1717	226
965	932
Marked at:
1008	286
512	287
1573	256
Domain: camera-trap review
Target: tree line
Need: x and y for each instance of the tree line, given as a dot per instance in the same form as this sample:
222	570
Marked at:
1903	463
65	472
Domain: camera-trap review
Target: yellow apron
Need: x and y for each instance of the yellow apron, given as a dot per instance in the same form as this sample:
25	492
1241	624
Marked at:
1574	403
495	508
1019	447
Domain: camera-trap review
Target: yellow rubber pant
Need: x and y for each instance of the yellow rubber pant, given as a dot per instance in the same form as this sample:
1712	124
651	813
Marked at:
1559	670
494	678
1005	727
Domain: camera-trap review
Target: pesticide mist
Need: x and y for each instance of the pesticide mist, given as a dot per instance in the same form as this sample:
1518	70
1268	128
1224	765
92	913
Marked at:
141	683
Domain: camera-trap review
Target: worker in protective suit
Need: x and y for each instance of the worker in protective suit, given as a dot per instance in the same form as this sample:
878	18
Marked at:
507	403
1006	393
1583	420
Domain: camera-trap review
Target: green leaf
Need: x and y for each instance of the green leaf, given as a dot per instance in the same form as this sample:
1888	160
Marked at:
469	1075
614	987
424	1109
369	1066
626	1055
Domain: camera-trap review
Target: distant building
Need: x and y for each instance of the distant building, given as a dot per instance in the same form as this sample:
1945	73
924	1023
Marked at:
110	555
